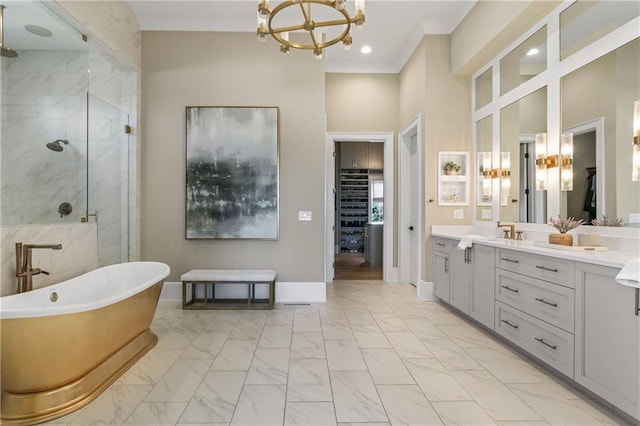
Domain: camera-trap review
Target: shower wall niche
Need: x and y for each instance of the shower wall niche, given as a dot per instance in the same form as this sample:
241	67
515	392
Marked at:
65	105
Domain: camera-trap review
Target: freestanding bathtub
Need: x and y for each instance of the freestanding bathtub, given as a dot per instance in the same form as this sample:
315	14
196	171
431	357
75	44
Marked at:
64	344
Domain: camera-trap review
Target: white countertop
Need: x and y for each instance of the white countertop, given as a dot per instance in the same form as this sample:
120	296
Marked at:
611	258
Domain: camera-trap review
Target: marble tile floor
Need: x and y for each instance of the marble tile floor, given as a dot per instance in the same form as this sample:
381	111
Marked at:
373	354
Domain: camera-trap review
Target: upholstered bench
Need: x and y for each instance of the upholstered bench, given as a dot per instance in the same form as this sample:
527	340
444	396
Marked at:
203	288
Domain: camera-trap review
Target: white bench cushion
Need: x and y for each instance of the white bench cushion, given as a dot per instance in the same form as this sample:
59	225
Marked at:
229	275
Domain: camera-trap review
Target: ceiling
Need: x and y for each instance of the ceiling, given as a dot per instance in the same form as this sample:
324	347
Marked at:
393	28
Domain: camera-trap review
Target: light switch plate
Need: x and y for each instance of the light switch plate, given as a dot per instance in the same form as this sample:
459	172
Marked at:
634	217
458	214
486	213
304	216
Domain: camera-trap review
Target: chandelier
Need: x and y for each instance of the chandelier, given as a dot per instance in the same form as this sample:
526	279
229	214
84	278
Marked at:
267	23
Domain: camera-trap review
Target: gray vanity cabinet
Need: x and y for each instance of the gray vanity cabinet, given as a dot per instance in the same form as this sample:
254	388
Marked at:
607	355
460	278
481	298
441	267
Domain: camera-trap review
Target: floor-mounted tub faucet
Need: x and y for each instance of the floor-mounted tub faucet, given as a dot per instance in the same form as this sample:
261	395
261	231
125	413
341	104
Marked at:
24	269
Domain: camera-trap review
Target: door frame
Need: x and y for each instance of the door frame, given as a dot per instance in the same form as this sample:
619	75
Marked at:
596	125
389	272
413	128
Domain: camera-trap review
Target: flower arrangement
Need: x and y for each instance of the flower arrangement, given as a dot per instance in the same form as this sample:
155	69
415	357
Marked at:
564	225
452	167
607	222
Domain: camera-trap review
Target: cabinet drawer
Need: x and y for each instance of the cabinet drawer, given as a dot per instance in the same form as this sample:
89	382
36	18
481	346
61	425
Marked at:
443	244
544	341
558	271
549	302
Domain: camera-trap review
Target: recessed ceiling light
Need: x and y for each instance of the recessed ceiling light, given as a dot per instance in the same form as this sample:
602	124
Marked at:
38	30
532	52
365	50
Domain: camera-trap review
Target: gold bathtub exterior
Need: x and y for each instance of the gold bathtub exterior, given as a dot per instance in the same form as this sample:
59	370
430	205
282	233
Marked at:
54	365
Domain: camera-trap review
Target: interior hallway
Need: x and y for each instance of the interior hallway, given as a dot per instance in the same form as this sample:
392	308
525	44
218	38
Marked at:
349	267
373	353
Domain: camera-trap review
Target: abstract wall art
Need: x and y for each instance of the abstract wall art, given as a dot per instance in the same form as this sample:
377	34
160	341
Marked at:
232	172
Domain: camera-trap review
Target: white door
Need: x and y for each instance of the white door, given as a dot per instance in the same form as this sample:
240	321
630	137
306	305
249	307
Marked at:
414	210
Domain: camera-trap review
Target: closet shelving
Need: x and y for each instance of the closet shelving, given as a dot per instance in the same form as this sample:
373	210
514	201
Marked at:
354	209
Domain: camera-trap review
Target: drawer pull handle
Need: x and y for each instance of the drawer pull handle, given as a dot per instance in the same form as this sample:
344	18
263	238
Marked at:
446	264
554	347
509	324
506	259
544	268
506	287
440	244
555	305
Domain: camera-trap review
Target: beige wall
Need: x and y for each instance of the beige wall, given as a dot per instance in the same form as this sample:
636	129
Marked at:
231	69
362	102
444	103
365	103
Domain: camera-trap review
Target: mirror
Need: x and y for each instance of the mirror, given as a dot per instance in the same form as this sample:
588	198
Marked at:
519	123
484	88
601	122
584	22
524	62
484	146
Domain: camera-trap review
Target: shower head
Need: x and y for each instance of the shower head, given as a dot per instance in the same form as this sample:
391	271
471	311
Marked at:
5	51
55	145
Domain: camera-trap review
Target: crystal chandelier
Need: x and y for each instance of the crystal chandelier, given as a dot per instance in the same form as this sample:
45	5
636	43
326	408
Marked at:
268	23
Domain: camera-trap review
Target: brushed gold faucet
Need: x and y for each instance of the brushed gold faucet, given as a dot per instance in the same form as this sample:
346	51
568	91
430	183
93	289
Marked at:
508	234
24	263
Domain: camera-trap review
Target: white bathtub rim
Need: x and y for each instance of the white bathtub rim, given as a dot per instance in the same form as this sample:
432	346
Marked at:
159	272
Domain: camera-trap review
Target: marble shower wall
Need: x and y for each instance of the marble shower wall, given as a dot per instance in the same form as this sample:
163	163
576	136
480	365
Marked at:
78	254
44	99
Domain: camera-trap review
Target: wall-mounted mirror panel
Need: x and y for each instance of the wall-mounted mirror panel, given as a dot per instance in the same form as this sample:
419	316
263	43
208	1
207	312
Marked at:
484	147
519	123
597	109
524	62
484	88
584	22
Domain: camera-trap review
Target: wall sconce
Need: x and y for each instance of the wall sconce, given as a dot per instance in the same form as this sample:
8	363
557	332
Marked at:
541	161
566	162
505	176
484	158
635	167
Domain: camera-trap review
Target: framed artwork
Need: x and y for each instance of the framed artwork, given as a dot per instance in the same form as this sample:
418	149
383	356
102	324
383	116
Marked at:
232	172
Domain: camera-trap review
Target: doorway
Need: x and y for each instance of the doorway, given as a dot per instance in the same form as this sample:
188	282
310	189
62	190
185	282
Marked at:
349	244
410	203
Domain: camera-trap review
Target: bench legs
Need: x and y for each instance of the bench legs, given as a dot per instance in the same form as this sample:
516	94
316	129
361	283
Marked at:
250	302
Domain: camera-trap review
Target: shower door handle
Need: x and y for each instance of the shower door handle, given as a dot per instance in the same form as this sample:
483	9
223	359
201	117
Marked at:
86	218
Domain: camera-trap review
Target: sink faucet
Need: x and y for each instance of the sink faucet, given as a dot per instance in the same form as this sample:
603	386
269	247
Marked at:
511	233
24	262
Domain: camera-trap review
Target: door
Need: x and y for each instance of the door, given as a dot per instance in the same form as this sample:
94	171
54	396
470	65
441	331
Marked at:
441	275
108	179
414	210
459	285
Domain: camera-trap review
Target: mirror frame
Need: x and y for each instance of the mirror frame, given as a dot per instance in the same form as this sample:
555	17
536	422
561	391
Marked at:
551	78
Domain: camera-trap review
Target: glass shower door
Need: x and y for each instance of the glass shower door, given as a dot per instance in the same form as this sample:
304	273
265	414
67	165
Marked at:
108	179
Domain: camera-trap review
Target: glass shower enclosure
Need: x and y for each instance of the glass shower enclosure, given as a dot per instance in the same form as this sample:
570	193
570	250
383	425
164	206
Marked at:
65	154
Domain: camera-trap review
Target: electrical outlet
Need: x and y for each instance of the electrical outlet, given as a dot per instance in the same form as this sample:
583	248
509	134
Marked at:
304	216
486	213
634	217
458	214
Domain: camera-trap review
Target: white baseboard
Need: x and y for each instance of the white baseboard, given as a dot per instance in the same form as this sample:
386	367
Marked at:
425	291
286	292
392	276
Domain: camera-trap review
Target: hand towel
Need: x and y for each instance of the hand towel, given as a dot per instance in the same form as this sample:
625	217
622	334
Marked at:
629	275
467	241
